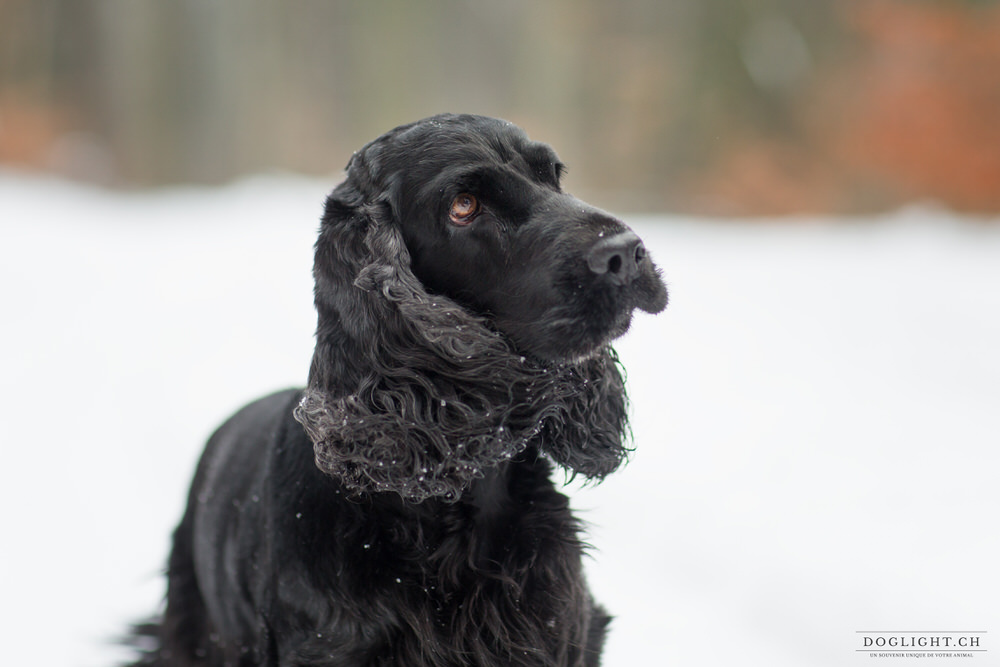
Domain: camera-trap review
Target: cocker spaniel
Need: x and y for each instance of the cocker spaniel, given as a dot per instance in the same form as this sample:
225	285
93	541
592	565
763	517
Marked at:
399	510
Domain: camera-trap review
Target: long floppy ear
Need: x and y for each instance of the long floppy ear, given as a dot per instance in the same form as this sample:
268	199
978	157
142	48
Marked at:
394	402
411	393
588	436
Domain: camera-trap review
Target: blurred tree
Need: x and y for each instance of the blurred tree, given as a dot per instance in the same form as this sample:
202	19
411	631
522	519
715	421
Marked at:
718	106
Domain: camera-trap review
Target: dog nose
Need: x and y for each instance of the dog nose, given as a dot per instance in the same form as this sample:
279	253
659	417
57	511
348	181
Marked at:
617	257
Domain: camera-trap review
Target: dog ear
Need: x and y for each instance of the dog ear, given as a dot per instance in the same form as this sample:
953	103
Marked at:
396	400
587	436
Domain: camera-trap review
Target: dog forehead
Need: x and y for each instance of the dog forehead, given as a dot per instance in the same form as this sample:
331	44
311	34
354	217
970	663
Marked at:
422	155
468	141
469	137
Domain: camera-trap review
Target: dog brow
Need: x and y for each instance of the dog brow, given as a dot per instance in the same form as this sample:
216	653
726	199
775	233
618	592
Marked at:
544	162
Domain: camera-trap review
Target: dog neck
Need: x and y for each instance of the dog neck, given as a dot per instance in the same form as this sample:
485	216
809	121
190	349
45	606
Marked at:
489	494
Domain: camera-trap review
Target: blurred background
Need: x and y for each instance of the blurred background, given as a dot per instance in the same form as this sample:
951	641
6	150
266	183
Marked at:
722	107
815	414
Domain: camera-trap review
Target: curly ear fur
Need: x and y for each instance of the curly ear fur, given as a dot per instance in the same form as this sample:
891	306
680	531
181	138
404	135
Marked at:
410	392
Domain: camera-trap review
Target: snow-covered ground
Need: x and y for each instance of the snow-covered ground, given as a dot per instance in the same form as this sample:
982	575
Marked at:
816	416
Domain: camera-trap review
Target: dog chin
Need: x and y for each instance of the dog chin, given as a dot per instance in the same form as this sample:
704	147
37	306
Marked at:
569	347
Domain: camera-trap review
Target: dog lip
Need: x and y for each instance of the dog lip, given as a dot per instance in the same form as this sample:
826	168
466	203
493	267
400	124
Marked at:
656	303
652	295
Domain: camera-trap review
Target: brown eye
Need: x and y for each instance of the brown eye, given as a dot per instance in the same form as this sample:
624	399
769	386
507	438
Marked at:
463	209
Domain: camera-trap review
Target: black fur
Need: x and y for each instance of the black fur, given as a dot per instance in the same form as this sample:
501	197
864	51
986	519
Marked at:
399	510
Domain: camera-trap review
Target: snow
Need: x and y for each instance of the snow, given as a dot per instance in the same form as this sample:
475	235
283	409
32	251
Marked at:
816	418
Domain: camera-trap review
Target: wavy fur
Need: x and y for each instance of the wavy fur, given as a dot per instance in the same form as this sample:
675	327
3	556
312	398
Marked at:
399	510
444	396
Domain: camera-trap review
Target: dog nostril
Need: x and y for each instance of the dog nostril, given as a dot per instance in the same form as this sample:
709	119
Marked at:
617	258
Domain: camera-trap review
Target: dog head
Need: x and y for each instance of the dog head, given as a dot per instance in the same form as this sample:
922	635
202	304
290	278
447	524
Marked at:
466	304
486	223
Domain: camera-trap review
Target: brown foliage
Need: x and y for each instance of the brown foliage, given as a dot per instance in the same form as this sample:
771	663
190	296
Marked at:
910	112
28	129
924	103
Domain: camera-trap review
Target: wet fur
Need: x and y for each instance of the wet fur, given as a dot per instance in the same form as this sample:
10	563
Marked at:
399	510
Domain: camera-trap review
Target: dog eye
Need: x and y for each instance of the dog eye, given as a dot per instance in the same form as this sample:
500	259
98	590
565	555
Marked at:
464	208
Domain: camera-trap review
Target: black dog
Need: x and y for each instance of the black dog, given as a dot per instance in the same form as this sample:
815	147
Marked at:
399	510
